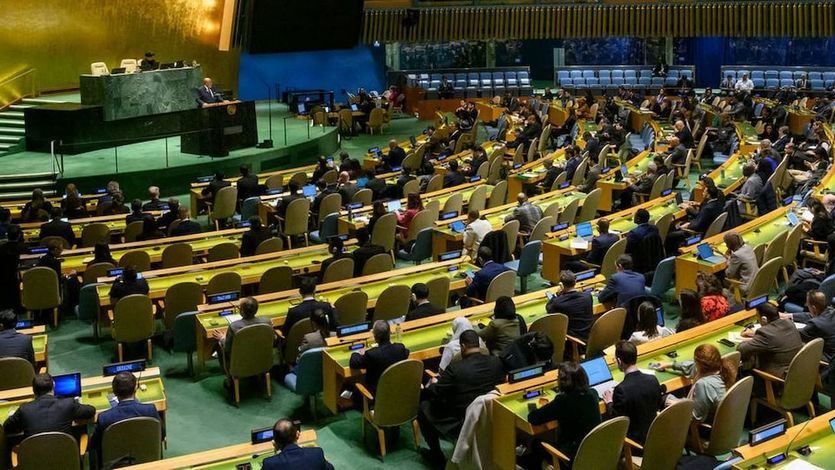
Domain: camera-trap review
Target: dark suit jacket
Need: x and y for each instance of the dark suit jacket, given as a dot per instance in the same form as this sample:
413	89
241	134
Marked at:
599	246
577	306
14	344
637	397
821	326
363	254
347	191
303	310
481	281
50	261
550	176
394	158
679	154
58	228
458	385
634	236
571	167
123	410
165	219
47	414
453	178
206	96
186	227
317	201
137	217
214	186
423	311
576	414
685	137
247	187
284	202
622	286
251	239
293	456
773	347
708	212
122	289
376	360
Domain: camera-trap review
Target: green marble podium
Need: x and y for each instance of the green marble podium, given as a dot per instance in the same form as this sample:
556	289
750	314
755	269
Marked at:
131	95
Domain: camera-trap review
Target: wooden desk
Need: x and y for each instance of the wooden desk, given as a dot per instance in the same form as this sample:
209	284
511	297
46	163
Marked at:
116	224
198	201
276	305
749	141
40	343
445	239
360	217
757	231
637	166
424	338
226	458
798	119
77	259
487	111
637	116
557	245
510	410
727	176
94	391
91	201
304	260
815	433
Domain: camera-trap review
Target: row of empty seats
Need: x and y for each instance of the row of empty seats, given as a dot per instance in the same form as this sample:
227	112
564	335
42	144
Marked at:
772	77
579	77
474	84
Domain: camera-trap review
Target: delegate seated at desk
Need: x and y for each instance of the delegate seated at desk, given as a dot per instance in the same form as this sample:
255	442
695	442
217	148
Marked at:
208	94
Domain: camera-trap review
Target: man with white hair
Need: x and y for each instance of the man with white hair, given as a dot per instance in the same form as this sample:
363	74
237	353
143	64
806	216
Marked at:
684	135
208	93
154	204
768	154
346	188
643	186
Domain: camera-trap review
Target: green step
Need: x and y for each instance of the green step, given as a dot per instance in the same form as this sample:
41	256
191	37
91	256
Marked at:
12	139
12	131
21	106
7	123
5	146
11	114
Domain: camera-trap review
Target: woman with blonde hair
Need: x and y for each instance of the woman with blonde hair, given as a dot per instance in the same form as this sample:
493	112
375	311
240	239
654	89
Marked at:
712	378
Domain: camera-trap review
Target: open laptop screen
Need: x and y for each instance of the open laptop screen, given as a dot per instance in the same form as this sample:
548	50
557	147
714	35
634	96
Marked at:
584	230
597	370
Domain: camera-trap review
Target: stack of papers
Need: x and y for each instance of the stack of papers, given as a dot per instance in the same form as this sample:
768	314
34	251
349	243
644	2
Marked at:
579	244
232	318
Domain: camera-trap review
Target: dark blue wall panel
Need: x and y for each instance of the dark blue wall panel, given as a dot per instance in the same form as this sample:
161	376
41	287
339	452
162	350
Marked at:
336	70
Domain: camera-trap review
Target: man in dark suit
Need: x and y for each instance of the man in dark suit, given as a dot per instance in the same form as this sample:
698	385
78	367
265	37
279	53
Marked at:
214	186
571	163
677	151
52	258
395	157
208	93
453	177
600	244
445	401
57	227
479	158
376	185
422	307
187	226
153	204
772	347
819	319
623	285
346	187
684	135
521	139
124	388
574	304
592	145
290	454
249	309
365	251
247	184
46	413
405	177
702	216
307	289
283	203
136	214
478	284
348	164
173	213
377	359
643	229
256	234
12	343
638	396
551	174
783	139
642	185
127	284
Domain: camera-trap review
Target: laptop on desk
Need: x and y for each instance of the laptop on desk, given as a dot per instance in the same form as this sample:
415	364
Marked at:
584	235
600	377
705	253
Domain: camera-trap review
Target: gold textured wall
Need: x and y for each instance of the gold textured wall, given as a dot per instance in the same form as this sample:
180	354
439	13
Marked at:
60	38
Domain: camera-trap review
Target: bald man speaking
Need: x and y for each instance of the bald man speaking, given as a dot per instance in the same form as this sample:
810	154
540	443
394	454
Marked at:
208	94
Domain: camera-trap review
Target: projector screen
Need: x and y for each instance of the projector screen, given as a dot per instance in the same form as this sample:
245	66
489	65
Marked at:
304	25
